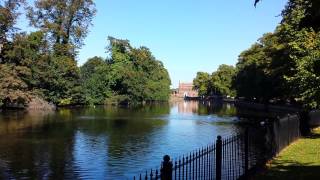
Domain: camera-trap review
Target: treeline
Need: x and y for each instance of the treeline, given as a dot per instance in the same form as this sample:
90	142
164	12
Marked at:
42	63
282	66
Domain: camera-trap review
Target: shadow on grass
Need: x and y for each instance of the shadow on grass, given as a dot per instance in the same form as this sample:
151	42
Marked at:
313	136
290	170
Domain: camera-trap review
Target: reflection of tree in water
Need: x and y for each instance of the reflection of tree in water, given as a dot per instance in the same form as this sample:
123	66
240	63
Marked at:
127	134
128	129
53	145
222	109
186	107
206	108
150	110
42	148
45	144
13	121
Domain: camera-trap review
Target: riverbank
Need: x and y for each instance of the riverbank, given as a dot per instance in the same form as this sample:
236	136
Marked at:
37	103
301	160
267	107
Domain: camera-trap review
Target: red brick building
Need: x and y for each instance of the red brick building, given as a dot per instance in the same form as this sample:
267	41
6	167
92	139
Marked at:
185	90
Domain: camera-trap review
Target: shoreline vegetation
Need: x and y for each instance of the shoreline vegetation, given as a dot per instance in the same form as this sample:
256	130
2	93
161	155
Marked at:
38	69
281	68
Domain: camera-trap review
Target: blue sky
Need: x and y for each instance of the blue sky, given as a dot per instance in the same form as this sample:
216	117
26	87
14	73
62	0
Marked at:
186	35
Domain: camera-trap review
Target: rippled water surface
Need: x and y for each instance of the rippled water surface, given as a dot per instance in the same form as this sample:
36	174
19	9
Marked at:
106	142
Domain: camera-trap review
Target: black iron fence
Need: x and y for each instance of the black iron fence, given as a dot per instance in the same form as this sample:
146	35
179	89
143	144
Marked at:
286	130
314	118
234	157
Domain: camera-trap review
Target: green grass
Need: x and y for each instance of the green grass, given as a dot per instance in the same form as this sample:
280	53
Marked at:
300	160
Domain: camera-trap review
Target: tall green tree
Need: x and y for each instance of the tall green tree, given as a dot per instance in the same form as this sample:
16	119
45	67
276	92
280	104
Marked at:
261	70
129	75
138	76
65	22
221	80
22	55
202	84
9	12
54	78
96	80
283	65
13	90
300	31
8	17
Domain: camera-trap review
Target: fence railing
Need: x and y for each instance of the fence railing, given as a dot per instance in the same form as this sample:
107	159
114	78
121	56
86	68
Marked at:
314	118
234	157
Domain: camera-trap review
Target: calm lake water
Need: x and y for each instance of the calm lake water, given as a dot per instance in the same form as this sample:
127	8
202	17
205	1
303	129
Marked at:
106	142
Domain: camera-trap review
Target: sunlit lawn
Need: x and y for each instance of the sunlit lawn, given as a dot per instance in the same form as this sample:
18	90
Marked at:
301	160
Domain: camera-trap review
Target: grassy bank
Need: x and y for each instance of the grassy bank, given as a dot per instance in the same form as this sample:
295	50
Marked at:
301	160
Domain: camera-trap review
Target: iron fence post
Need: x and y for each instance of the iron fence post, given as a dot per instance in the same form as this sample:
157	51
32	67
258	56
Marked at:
166	170
218	158
246	153
288	131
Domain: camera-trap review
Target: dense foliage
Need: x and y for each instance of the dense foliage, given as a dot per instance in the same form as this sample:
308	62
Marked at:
283	66
43	63
218	83
130	75
41	66
202	83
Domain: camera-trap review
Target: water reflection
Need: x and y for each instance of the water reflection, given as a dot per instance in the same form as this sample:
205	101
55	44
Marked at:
105	142
205	108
